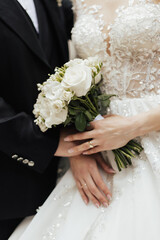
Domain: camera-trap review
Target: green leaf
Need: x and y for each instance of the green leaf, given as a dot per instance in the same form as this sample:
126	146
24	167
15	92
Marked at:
68	120
74	103
106	103
72	111
80	122
89	116
105	97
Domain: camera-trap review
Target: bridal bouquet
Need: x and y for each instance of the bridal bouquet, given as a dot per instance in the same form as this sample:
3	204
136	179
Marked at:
72	96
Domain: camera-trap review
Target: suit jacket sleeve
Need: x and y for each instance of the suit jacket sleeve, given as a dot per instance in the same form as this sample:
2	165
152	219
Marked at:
69	19
21	139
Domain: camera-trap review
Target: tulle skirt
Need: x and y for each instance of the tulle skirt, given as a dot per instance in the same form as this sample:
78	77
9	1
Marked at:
134	212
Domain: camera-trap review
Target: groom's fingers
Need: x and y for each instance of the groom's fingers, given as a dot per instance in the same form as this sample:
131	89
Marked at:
104	165
82	147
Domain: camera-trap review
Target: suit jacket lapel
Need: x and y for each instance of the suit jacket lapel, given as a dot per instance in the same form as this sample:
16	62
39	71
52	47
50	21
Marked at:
57	19
12	14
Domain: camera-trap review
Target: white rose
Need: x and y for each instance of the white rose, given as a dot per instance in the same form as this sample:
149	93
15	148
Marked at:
78	79
74	62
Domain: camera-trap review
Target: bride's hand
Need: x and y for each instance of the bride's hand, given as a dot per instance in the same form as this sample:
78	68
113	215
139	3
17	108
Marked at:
88	179
110	133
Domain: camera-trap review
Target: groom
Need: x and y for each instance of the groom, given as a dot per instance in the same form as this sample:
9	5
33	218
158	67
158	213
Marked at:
33	41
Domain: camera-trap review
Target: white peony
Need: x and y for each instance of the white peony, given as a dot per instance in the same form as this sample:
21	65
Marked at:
49	112
58	105
78	78
67	96
56	118
53	90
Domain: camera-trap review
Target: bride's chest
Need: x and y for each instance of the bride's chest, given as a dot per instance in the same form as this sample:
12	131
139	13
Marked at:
135	29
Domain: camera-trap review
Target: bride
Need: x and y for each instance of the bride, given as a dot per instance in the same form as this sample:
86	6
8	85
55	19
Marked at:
125	35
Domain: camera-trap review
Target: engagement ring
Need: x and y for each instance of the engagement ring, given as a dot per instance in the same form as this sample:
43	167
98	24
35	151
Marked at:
90	144
84	185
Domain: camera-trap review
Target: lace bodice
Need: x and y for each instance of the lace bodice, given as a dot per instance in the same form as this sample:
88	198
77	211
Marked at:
129	46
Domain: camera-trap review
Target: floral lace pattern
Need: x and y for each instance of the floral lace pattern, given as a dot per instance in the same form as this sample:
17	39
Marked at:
132	66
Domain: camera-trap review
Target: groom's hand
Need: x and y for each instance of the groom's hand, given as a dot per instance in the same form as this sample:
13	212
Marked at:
88	179
63	147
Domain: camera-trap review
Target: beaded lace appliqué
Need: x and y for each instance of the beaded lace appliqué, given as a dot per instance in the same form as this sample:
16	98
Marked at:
132	69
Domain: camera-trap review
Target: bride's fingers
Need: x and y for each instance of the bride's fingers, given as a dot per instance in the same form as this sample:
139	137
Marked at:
89	194
83	147
93	150
102	186
94	194
82	193
80	136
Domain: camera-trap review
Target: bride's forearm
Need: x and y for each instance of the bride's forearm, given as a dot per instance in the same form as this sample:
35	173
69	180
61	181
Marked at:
146	122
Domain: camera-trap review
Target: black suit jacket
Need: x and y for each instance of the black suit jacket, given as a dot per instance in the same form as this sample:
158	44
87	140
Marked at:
27	167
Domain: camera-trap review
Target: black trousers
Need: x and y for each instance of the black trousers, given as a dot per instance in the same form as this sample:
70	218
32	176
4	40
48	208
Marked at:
7	227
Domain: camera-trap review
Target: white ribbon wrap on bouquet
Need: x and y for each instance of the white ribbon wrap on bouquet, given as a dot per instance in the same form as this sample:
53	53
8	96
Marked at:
99	117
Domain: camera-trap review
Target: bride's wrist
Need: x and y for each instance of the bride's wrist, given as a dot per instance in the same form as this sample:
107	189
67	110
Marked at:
138	125
145	122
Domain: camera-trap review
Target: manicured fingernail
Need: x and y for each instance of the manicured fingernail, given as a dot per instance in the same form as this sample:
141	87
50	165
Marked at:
66	139
85	153
71	151
109	197
105	204
86	202
97	205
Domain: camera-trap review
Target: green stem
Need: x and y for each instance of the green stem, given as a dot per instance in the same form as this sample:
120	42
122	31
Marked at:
124	153
86	104
134	143
117	162
125	149
76	108
122	157
91	104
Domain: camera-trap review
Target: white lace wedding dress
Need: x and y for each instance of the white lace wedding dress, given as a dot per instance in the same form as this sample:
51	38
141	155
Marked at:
131	70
